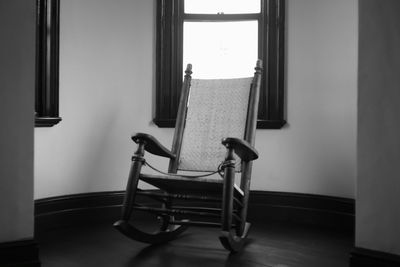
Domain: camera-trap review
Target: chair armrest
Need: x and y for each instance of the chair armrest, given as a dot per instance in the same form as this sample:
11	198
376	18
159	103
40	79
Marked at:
242	148
152	145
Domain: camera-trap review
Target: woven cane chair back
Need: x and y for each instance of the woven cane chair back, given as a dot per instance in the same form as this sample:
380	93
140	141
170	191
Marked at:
217	109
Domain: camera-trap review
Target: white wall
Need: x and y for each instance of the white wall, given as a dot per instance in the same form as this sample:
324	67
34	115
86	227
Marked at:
17	86
378	183
107	64
316	153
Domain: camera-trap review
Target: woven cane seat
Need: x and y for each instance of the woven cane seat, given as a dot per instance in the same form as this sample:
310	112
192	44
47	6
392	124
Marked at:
183	185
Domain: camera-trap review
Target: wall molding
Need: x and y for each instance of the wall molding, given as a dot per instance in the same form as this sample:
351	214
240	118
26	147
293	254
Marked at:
361	257
264	206
21	253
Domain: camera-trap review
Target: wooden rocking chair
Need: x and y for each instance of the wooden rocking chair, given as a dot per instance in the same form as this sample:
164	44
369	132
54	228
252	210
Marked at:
215	130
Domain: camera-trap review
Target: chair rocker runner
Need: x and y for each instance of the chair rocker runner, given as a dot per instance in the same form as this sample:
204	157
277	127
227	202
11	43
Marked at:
209	111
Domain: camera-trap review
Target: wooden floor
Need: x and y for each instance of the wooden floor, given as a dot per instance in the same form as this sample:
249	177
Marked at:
274	244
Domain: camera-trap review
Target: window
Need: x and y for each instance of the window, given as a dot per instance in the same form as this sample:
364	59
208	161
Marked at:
47	54
214	34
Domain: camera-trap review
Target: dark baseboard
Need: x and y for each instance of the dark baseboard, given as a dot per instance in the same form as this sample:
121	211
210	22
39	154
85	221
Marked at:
73	210
361	257
264	206
316	210
22	253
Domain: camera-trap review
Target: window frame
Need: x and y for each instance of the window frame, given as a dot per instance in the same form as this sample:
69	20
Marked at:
47	63
169	57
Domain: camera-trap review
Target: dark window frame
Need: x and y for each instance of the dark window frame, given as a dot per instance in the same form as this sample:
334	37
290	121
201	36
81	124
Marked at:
47	63
169	56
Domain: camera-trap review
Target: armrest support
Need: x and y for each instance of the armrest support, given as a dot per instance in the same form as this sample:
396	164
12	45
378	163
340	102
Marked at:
152	145
242	148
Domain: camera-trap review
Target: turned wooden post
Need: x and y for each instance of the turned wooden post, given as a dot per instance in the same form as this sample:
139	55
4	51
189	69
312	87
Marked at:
250	133
133	179
180	120
227	194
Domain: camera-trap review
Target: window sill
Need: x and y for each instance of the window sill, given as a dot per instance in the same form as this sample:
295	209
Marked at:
261	124
270	124
46	121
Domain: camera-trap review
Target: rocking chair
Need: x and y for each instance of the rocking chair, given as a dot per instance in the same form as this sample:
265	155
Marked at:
215	132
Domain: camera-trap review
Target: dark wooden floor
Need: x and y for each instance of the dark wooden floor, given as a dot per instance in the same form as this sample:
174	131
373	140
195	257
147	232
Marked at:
273	244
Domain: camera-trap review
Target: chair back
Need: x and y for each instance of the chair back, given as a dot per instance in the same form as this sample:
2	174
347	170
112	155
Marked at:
216	109
212	109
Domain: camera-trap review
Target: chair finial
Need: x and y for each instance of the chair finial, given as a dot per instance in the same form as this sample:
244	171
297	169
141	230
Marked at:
259	66
188	70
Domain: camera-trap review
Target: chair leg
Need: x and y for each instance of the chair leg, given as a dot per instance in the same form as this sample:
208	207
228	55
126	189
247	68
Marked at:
166	233
230	238
133	179
164	219
227	196
245	186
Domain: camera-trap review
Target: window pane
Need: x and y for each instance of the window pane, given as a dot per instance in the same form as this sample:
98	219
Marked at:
225	6
221	49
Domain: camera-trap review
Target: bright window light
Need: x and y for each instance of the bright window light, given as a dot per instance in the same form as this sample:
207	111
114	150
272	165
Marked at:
225	6
221	49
